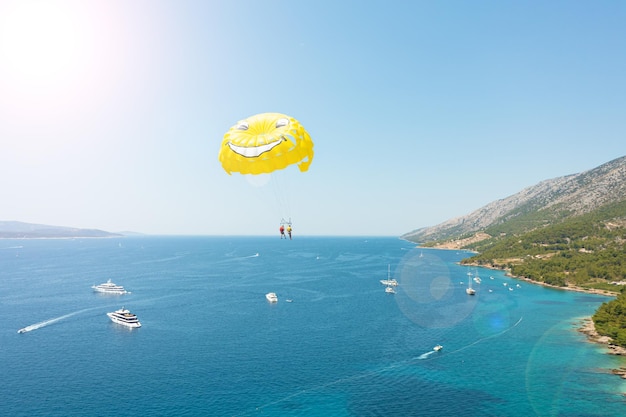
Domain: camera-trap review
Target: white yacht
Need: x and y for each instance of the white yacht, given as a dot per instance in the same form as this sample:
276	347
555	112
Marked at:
389	281
469	290
124	317
109	288
271	297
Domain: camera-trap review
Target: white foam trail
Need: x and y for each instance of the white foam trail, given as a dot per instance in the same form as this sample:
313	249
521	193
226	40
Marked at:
425	355
51	321
230	258
488	337
369	373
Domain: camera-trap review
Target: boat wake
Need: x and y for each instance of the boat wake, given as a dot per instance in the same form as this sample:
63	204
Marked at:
231	258
426	355
372	373
52	321
488	337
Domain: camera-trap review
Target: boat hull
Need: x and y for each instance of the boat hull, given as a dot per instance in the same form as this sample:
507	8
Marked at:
112	292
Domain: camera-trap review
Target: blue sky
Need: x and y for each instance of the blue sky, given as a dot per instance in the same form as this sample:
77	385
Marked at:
112	112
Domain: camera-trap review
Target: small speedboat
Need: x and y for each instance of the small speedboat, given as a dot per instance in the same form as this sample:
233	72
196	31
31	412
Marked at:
271	297
437	348
22	330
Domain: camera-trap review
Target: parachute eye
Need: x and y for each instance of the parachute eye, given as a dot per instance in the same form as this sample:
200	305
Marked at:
243	125
281	123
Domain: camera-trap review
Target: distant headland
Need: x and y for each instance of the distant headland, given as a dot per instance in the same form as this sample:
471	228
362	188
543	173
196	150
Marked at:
21	230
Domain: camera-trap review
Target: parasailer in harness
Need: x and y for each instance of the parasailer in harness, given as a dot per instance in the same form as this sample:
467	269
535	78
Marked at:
282	231
289	230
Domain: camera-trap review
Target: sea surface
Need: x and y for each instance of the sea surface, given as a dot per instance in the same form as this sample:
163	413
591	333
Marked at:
335	344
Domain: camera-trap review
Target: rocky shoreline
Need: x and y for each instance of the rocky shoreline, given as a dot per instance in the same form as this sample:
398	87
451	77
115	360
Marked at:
588	328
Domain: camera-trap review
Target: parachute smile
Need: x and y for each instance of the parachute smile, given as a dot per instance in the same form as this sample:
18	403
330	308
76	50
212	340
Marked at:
254	151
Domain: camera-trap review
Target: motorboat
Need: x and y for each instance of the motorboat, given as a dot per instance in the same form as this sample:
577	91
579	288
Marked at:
109	288
271	297
124	317
22	330
390	290
437	348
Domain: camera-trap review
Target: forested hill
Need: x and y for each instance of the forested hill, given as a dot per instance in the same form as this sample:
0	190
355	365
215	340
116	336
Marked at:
14	230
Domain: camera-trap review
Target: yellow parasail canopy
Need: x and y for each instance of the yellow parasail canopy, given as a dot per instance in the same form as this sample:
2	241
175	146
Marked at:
264	143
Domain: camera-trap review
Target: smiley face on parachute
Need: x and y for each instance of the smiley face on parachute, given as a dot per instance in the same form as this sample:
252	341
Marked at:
264	143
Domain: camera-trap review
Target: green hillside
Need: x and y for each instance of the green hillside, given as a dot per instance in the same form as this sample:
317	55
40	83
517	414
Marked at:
586	251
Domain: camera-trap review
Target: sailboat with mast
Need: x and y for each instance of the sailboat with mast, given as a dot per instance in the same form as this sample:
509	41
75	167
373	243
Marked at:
390	282
469	290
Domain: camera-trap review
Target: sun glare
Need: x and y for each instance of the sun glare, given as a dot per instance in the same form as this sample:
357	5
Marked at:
40	42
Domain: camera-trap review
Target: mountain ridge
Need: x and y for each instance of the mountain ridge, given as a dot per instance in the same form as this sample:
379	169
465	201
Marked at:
22	230
546	202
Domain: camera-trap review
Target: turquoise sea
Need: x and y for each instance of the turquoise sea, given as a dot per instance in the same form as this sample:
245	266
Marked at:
211	345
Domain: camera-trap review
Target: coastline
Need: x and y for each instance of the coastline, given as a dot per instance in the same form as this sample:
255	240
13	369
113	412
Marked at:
587	326
458	245
556	287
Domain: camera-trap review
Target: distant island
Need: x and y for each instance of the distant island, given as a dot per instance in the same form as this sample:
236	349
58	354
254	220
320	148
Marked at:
21	230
